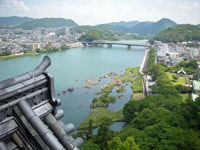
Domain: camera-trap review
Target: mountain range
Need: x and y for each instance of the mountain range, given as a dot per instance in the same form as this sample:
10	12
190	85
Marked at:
14	20
30	23
136	27
143	27
108	32
48	22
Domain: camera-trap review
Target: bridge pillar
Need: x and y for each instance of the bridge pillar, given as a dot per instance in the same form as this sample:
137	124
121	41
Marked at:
109	45
129	46
85	44
93	45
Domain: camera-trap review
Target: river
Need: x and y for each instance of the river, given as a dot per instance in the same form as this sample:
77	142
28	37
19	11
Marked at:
71	68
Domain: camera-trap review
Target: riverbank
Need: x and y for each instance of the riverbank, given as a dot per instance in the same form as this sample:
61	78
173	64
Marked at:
17	55
134	76
40	51
143	69
130	76
144	61
96	116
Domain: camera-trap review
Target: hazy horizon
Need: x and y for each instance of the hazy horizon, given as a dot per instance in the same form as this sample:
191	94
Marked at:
86	12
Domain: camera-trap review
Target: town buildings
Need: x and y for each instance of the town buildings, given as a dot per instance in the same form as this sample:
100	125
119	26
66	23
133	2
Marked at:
18	40
170	53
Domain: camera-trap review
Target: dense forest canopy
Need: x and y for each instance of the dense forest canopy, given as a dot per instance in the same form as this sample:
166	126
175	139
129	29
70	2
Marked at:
91	35
103	32
179	33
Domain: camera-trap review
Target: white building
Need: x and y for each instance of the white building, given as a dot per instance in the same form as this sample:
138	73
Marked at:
193	52
35	46
56	45
172	55
180	48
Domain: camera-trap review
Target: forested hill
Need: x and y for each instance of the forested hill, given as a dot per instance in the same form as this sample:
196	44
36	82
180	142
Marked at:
103	32
160	26
123	25
127	24
179	33
144	27
102	27
14	20
48	22
136	27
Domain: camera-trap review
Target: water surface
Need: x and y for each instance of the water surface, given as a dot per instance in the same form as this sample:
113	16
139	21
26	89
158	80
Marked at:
72	67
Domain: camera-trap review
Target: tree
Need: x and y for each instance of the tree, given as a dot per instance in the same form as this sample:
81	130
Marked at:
104	134
112	99
37	50
117	144
89	132
91	36
179	33
130	110
130	144
155	72
89	145
174	77
5	53
149	117
169	91
183	89
191	112
95	99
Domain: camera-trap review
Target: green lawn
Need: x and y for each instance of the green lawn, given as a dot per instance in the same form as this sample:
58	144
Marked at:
97	114
181	80
137	85
137	96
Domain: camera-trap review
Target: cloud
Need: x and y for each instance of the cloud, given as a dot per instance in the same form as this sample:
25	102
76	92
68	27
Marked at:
102	11
14	4
185	6
196	4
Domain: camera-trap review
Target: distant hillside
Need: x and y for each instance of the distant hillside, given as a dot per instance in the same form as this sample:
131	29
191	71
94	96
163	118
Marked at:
144	27
108	32
123	26
127	24
179	33
14	20
161	25
48	22
141	28
101	27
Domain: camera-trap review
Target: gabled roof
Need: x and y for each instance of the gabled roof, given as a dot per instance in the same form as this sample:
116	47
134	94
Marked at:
182	70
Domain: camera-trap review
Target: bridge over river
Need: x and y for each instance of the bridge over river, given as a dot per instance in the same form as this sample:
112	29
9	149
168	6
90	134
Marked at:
109	44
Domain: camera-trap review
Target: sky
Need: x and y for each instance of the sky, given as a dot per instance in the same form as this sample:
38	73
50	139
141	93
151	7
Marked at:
93	12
